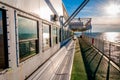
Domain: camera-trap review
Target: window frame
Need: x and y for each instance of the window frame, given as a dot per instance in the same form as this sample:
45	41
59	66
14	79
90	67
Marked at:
55	35
60	34
28	40
5	37
50	45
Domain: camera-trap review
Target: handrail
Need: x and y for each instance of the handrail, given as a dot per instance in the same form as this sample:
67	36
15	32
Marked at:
75	12
98	64
105	47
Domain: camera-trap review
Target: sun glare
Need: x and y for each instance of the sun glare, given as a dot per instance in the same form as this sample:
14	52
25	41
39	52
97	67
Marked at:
113	9
111	36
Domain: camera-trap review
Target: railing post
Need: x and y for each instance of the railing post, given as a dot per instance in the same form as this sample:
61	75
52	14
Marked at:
103	49
110	50
108	70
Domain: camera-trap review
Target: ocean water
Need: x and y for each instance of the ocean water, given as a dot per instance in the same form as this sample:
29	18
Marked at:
107	36
108	32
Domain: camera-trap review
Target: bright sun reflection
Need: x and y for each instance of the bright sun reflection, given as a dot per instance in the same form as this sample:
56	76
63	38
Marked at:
113	9
111	36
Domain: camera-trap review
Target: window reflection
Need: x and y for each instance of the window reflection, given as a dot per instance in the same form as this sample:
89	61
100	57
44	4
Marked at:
60	35
27	48
1	25
54	34
64	34
27	28
28	37
46	36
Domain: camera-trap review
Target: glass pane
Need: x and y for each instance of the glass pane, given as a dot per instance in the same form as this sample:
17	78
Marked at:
57	34
46	36
54	33
60	35
1	25
2	64
63	34
54	40
27	28
27	48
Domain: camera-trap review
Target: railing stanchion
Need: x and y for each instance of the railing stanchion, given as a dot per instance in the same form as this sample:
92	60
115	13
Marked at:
109	50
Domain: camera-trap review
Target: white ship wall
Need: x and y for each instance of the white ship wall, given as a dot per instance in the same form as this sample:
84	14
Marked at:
39	8
45	10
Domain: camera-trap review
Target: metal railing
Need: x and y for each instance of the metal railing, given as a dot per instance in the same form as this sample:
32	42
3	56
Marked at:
110	49
99	65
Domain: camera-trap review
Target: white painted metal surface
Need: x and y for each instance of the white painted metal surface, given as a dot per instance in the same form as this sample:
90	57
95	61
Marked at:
40	9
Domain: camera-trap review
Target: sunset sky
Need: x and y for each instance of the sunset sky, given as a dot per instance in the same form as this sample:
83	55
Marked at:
105	12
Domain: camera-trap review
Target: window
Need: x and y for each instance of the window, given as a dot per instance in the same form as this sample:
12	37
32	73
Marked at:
64	34
60	35
3	40
57	30
55	35
46	36
28	37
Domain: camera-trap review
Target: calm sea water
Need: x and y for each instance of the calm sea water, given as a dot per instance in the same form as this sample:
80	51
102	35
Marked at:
111	32
107	36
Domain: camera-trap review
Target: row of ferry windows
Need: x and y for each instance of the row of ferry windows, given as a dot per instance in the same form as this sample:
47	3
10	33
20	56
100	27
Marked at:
28	38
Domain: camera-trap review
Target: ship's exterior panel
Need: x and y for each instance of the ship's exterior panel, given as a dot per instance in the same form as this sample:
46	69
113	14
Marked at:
42	12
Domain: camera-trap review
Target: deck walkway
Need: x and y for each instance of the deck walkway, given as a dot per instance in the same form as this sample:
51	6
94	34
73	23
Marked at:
58	67
98	67
64	70
78	69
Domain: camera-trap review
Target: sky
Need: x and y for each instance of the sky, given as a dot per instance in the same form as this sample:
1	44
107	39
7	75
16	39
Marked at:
102	12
